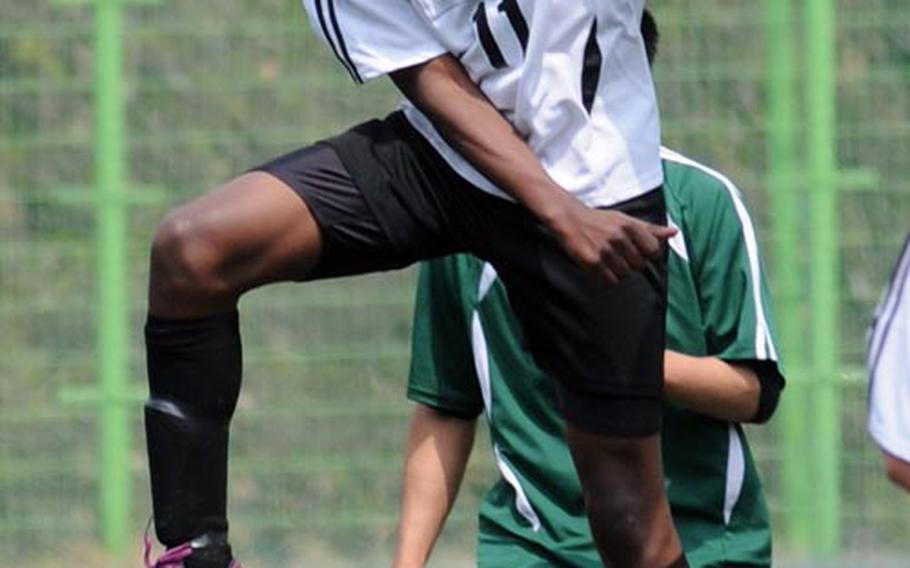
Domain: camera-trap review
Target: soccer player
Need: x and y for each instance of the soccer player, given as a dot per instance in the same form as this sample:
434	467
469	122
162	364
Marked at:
720	369
889	374
530	138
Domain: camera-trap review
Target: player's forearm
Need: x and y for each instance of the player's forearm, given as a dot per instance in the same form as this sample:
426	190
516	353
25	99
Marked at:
610	244
443	91
711	386
437	454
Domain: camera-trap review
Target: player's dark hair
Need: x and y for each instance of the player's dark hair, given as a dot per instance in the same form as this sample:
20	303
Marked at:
651	34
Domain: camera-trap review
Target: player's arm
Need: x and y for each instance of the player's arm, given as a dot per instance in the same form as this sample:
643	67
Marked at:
394	40
711	386
439	445
898	471
443	382
608	243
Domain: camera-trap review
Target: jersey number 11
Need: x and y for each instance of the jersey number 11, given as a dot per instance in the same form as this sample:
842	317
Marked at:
593	60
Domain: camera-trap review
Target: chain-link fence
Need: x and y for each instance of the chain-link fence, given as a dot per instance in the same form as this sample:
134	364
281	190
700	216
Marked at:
111	112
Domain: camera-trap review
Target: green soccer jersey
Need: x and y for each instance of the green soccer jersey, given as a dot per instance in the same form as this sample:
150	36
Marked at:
468	358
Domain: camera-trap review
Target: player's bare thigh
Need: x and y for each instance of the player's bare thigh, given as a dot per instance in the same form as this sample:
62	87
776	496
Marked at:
252	231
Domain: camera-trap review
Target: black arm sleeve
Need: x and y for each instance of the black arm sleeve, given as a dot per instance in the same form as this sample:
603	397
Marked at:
771	383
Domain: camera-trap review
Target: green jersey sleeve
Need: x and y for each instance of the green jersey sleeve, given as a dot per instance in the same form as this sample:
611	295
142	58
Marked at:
442	373
727	266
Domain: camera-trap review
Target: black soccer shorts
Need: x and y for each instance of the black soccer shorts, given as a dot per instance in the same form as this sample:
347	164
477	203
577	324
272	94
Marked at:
384	199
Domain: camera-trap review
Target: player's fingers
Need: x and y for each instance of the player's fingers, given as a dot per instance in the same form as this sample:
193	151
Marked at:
616	264
645	241
661	232
588	258
628	249
608	276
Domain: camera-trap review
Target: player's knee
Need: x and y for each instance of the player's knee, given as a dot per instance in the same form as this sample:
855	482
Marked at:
183	259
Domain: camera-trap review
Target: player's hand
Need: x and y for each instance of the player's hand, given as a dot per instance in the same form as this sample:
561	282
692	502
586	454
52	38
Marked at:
608	243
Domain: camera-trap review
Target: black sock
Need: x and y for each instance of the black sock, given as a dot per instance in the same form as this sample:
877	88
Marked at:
194	369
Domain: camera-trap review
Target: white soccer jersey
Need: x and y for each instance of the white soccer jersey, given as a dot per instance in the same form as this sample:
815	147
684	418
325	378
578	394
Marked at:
571	76
889	365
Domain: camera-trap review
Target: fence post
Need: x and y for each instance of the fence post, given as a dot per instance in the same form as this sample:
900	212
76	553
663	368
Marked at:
821	101
784	186
111	302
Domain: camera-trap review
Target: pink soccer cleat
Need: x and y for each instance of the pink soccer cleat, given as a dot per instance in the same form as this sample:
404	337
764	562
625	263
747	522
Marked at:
172	557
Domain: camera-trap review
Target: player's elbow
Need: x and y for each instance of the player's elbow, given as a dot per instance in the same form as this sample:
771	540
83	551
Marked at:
769	385
740	406
768	400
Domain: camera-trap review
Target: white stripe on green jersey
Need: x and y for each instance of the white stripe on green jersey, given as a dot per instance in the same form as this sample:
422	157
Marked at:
678	241
482	366
889	364
736	473
468	356
571	77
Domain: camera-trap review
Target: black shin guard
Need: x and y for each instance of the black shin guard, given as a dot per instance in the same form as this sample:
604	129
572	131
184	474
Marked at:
194	371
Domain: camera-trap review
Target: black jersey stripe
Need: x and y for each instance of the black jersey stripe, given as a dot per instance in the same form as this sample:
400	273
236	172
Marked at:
487	41
320	11
341	44
590	76
518	21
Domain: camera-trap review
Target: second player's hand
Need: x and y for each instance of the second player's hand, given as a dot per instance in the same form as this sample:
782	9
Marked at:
608	243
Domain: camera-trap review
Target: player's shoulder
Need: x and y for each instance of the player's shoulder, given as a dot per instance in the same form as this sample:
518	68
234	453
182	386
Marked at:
702	192
688	179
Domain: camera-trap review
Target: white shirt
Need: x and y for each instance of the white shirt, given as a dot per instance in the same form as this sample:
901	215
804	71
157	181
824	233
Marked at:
889	365
571	76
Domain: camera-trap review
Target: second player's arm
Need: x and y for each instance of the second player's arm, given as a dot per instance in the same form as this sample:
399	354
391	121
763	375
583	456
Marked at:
898	471
439	445
711	386
606	242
